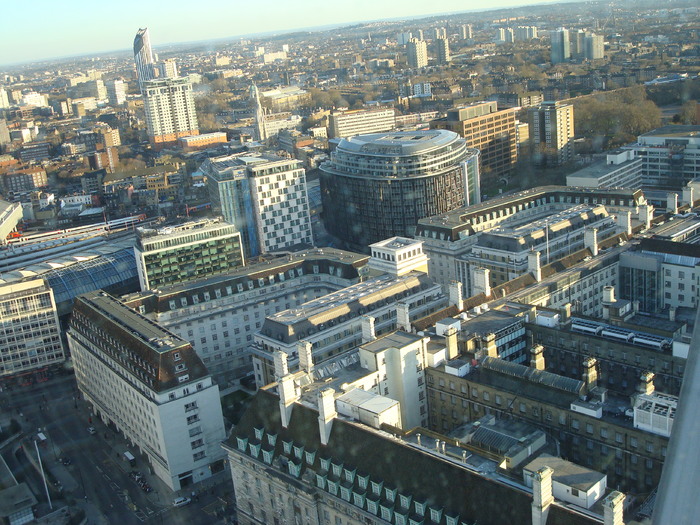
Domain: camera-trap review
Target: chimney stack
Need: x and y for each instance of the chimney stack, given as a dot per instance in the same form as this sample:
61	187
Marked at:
590	374
456	295
451	343
609	294
672	203
541	495
613	508
624	221
488	345
646	214
646	383
534	265
281	364
368	333
326	413
403	321
590	240
288	396
306	362
480	282
537	357
688	196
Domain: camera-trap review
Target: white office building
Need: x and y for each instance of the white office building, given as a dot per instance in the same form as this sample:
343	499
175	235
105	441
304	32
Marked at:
151	385
361	121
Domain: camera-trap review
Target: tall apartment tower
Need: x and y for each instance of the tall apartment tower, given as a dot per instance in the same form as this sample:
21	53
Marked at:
4	101
552	132
170	111
143	56
417	53
594	48
167	68
443	50
561	48
465	31
116	92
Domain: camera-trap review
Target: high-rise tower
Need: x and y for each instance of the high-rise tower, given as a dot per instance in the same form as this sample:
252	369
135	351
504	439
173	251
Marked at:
561	47
170	110
143	56
552	132
417	53
260	131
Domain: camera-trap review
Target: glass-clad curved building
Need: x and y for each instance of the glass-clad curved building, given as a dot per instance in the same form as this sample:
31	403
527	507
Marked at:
379	185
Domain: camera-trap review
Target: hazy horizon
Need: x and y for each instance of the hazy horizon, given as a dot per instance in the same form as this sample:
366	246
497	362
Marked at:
69	29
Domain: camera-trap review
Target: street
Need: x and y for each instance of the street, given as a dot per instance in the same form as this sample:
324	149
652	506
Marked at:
97	477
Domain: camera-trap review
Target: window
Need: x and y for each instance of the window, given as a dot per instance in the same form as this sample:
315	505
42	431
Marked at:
199	455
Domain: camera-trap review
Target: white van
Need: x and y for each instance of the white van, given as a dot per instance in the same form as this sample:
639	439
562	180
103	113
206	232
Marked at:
181	502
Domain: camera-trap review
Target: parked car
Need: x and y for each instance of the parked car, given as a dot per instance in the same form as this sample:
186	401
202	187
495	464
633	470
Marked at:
181	502
91	430
65	461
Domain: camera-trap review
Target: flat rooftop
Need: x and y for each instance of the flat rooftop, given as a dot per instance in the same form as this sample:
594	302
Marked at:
402	143
674	131
397	339
489	322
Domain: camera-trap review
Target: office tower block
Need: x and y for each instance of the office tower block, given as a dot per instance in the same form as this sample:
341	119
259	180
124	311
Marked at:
264	196
170	111
116	92
413	175
30	339
417	53
193	250
151	386
143	56
167	68
491	131
443	51
361	121
552	133
561	48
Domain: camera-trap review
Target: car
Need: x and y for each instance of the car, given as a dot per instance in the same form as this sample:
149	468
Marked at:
181	502
91	430
65	461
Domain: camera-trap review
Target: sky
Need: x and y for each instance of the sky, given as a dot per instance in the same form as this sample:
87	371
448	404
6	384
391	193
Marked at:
44	29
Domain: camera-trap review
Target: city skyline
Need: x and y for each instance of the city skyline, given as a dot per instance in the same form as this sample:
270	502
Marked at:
54	35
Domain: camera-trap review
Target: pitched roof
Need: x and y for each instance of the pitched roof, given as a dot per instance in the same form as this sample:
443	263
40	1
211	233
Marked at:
442	484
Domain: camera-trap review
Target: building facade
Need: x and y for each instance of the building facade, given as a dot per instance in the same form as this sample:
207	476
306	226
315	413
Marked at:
381	185
265	197
621	169
170	111
31	340
143	56
417	53
220	315
193	250
552	133
490	130
560	45
361	121
151	385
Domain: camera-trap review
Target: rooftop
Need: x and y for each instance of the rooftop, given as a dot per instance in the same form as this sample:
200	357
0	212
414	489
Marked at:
397	339
566	472
399	143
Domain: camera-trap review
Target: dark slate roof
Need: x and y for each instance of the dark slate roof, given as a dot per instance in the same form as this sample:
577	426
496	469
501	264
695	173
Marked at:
143	347
439	483
669	247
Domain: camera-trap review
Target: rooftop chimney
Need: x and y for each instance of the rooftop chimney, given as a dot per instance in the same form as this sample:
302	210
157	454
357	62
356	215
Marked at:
646	383
403	321
646	214
488	345
590	240
590	374
368	333
533	265
688	196
451	343
624	221
306	361
480	282
609	294
326	413
288	396
537	357
541	495
566	312
672	203
613	507
456	296
281	364
672	313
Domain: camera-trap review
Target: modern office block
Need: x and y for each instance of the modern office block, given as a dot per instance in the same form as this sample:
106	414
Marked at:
343	124
151	385
265	197
488	129
380	185
30	339
193	250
